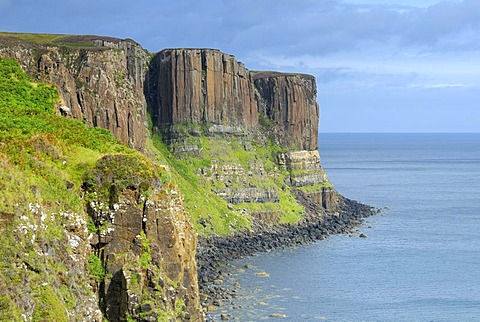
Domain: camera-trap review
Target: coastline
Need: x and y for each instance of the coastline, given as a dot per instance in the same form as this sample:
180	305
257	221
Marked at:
214	253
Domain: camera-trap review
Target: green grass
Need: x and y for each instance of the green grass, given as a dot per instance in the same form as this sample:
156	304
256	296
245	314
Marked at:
8	309
48	306
200	202
39	150
43	161
146	256
35	38
96	269
316	188
258	164
53	39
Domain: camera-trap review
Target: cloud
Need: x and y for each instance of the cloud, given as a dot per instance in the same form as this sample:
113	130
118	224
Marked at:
442	86
287	27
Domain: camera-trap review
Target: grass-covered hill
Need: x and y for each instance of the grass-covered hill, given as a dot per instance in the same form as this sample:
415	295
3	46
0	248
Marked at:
43	161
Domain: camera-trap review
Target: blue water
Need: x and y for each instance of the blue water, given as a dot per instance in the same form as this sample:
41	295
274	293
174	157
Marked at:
421	260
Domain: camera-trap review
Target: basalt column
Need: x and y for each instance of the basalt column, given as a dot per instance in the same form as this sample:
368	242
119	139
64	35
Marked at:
204	86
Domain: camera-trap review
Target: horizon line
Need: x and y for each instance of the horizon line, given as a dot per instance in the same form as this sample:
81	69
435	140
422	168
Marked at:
354	132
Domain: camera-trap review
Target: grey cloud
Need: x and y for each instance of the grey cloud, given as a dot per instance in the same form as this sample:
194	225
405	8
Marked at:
285	27
431	27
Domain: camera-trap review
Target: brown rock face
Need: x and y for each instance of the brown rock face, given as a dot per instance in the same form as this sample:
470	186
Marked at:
146	244
204	86
289	100
102	86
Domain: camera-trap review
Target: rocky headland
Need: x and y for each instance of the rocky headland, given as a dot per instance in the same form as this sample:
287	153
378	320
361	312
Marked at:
210	161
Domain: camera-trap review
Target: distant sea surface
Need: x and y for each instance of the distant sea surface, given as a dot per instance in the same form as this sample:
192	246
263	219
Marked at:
421	260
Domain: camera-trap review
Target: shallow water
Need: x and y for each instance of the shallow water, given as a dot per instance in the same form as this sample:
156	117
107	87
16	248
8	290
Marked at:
421	259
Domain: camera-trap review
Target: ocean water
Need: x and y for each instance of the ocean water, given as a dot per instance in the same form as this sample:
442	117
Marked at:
421	260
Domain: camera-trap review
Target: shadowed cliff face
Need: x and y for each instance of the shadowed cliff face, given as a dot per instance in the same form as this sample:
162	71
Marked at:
102	85
289	100
203	86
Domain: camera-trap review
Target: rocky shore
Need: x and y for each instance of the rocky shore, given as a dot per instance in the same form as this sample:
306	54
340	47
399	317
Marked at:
213	253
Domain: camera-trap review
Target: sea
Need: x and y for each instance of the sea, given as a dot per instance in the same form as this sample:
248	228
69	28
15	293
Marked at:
420	260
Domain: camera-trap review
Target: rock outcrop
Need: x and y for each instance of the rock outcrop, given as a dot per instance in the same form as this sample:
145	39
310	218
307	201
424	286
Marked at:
145	241
290	102
203	86
101	83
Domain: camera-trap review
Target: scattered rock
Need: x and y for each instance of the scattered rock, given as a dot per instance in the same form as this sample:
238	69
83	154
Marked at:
362	235
146	307
214	252
64	110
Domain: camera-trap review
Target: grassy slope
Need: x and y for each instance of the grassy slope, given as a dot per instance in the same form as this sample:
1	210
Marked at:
198	189
43	158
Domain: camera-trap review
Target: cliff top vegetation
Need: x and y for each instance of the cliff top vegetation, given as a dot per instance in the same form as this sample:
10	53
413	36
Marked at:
55	39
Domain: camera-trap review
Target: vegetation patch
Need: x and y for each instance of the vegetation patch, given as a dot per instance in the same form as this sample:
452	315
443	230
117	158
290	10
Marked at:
75	41
48	307
316	188
96	269
114	173
220	162
146	256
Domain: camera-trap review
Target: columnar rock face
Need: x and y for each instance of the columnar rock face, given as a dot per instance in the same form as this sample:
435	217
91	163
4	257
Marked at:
289	100
210	92
102	85
204	86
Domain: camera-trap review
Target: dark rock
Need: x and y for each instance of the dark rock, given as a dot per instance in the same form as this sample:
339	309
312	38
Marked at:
146	307
203	86
289	100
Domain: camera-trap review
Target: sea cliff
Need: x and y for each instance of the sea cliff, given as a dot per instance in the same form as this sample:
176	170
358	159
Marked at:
196	148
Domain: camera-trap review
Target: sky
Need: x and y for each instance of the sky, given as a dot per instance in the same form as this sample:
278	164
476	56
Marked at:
380	65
